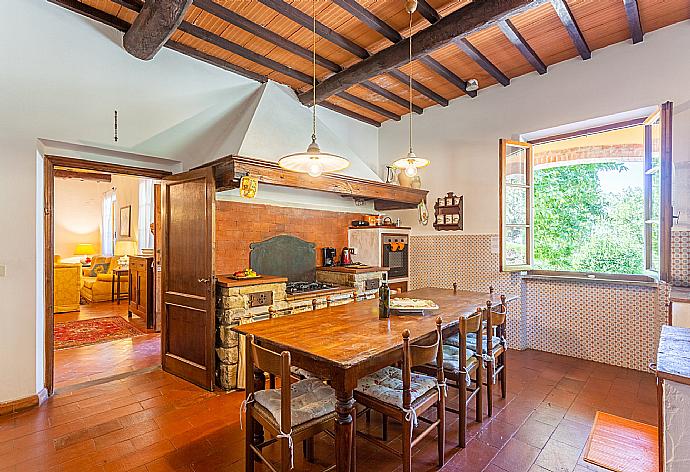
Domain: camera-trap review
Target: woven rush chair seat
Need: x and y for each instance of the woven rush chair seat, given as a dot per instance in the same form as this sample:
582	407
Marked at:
386	385
451	359
310	399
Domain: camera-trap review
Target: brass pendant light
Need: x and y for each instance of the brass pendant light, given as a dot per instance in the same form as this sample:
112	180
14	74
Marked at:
410	163
313	161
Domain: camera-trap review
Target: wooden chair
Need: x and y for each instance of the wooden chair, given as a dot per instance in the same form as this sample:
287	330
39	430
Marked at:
495	350
382	391
277	410
464	371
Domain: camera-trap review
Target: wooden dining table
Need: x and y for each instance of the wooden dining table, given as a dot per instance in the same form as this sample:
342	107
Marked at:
347	342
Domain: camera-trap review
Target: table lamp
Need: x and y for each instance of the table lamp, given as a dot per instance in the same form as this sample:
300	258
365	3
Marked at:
125	248
85	249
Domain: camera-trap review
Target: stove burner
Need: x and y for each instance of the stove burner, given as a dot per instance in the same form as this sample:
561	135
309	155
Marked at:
305	287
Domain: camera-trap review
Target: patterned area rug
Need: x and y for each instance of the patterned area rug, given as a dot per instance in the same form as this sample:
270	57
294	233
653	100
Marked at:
98	330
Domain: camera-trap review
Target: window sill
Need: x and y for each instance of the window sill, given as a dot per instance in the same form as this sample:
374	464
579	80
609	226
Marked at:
596	280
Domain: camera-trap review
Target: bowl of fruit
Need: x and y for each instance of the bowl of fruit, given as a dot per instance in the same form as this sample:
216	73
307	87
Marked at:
245	274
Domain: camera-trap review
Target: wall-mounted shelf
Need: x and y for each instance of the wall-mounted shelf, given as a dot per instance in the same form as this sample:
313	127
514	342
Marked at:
228	170
448	214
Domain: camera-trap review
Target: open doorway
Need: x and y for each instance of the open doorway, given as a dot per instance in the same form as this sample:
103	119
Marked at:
102	282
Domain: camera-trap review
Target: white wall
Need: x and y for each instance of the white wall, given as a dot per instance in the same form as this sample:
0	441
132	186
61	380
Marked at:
461	140
77	215
61	78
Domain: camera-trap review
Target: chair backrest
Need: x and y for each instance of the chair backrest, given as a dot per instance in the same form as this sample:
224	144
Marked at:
470	324
273	363
495	316
415	354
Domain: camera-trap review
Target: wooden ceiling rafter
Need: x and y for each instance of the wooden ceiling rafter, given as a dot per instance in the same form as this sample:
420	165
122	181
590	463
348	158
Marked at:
369	106
369	19
514	36
427	11
632	12
461	23
483	61
418	86
447	74
264	33
377	89
568	20
322	30
350	113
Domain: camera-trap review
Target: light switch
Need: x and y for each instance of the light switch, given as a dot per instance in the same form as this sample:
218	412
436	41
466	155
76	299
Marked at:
3	270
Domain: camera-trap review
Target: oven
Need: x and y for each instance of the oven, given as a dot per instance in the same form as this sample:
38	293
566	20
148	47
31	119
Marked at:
395	254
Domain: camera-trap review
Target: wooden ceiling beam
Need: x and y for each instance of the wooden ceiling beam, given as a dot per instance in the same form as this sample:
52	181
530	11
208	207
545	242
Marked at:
93	13
72	174
248	54
264	33
568	20
447	74
632	11
369	19
350	113
153	26
427	11
214	61
418	86
514	36
369	106
474	53
377	89
469	19
322	30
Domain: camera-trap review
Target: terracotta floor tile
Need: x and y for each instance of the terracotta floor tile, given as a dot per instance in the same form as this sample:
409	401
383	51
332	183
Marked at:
516	456
535	433
558	457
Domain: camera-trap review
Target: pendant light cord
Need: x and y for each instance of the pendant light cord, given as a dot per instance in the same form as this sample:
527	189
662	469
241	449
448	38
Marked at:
410	76
313	87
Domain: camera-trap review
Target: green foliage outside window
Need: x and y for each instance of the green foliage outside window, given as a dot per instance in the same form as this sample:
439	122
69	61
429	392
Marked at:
579	227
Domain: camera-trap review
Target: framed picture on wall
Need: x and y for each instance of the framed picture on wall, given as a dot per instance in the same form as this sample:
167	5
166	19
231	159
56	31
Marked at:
126	221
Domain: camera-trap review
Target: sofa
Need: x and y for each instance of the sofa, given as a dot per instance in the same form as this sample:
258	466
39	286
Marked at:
66	286
97	280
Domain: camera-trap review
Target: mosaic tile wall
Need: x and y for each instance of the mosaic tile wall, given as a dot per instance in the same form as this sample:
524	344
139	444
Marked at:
680	258
610	323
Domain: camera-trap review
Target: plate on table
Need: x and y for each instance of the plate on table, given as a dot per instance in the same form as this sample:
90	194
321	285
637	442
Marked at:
412	306
244	277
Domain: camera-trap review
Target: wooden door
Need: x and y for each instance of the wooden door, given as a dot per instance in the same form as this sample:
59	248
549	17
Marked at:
187	243
157	233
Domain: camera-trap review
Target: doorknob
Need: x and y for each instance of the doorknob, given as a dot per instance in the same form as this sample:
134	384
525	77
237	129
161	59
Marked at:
203	281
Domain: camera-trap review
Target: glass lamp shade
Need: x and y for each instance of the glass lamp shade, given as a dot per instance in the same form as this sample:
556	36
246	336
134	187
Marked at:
410	164
85	249
313	161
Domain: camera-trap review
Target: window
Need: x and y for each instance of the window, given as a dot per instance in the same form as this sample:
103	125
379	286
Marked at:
145	235
108	223
597	201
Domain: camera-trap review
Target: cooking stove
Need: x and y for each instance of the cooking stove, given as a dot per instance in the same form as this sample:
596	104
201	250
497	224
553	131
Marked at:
293	288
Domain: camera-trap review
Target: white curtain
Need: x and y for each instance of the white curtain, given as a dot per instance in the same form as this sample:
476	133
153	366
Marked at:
145	235
108	223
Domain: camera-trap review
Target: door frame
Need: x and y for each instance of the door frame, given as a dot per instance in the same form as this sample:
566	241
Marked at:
49	164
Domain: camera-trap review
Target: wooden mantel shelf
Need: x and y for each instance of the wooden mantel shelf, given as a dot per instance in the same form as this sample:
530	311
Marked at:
228	170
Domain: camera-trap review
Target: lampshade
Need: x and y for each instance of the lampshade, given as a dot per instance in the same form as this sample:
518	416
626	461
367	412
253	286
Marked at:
85	249
126	248
313	161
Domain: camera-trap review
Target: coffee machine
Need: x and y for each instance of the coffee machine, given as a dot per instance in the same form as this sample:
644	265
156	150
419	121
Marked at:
329	254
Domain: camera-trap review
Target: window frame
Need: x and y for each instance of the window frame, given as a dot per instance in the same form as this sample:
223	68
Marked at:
529	226
664	113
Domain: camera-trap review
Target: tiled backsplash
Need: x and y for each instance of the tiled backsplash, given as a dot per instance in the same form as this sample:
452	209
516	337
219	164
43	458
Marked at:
240	224
680	258
611	323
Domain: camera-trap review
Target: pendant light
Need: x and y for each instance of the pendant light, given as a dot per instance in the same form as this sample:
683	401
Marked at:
313	161
411	162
